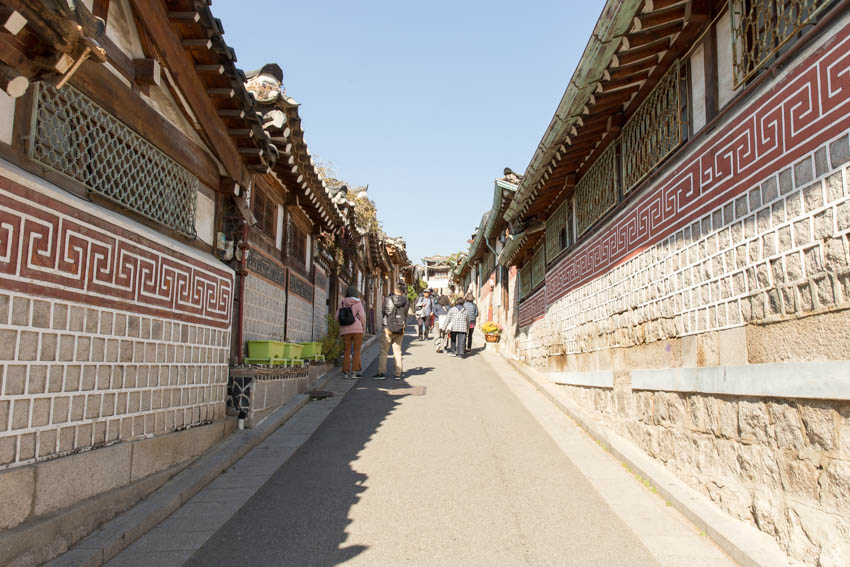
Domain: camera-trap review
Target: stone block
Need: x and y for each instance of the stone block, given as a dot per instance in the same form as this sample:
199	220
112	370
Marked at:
839	152
64	482
37	381
48	346
61	407
83	349
84	436
4	309
20	414
823	224
821	162
92	321
40	314
799	477
16	494
754	423
73	377
28	346
60	316
8	448
47	443
20	311
803	172
732	346
820	422
8	340
40	412
27	447
843	216
77	319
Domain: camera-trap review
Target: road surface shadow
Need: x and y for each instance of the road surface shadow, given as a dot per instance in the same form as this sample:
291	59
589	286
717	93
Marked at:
300	516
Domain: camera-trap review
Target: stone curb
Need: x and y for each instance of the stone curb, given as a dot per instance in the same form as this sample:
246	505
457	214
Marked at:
747	545
117	534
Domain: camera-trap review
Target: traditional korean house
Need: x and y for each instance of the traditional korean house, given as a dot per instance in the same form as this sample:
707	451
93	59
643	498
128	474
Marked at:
126	136
681	235
437	273
479	272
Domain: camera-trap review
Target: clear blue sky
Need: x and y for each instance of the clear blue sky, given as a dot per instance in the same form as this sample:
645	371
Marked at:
424	102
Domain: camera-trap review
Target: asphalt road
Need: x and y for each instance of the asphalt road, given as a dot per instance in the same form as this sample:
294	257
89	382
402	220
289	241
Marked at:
446	467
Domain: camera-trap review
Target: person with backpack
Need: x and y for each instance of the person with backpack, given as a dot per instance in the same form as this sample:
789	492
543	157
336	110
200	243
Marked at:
472	312
424	310
441	311
352	324
394	313
458	324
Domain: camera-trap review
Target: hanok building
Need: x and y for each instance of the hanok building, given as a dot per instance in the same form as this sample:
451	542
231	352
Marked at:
682	240
437	273
148	200
479	272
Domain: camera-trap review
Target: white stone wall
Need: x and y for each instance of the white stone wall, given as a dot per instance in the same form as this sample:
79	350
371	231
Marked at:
779	250
265	310
78	376
299	323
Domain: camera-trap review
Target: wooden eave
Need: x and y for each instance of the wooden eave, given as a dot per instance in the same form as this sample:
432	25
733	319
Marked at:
661	31
202	40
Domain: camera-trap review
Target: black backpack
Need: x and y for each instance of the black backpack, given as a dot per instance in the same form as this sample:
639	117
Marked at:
397	319
346	316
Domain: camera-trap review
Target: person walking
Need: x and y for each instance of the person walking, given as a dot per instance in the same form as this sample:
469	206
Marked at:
424	308
458	324
352	324
441	311
472	313
394	313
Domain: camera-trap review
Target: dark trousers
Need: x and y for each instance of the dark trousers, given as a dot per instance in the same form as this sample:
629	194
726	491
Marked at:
469	340
460	343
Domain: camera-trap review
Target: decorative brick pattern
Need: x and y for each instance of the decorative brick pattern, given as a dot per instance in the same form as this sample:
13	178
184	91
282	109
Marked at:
77	376
787	123
265	310
299	320
779	250
50	248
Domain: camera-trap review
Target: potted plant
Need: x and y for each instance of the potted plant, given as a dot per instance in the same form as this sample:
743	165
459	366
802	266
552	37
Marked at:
492	331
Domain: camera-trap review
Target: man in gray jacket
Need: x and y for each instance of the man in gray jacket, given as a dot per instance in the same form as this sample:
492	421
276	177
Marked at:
394	313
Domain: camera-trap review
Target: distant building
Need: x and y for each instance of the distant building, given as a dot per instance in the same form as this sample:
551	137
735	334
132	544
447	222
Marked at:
436	273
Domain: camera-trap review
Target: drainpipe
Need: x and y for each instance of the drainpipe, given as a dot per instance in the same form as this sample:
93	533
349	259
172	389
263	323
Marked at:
243	272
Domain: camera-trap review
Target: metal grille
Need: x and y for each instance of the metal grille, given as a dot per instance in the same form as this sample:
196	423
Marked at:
596	192
653	131
74	136
554	225
538	267
761	27
525	279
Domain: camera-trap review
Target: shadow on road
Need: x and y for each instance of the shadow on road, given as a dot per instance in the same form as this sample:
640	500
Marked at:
301	515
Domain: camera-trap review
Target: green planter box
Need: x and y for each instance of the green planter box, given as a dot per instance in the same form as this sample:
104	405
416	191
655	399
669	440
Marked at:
291	350
311	349
266	349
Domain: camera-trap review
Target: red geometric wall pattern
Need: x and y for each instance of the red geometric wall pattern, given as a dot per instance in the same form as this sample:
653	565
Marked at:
50	248
810	106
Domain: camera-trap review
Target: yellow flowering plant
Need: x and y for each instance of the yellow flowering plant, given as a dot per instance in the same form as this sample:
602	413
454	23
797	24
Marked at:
491	328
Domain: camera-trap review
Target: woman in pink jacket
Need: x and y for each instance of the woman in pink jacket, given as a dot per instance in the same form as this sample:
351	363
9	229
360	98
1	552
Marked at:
352	334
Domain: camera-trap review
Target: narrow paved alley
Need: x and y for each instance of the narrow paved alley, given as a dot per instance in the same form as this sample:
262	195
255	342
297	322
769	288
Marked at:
446	467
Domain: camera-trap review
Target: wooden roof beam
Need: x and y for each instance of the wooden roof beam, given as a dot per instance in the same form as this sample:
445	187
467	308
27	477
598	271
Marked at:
641	38
625	71
633	55
660	17
625	82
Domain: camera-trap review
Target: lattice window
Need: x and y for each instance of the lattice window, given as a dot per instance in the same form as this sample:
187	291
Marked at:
525	280
554	228
596	192
538	267
74	136
653	131
298	248
265	212
761	27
